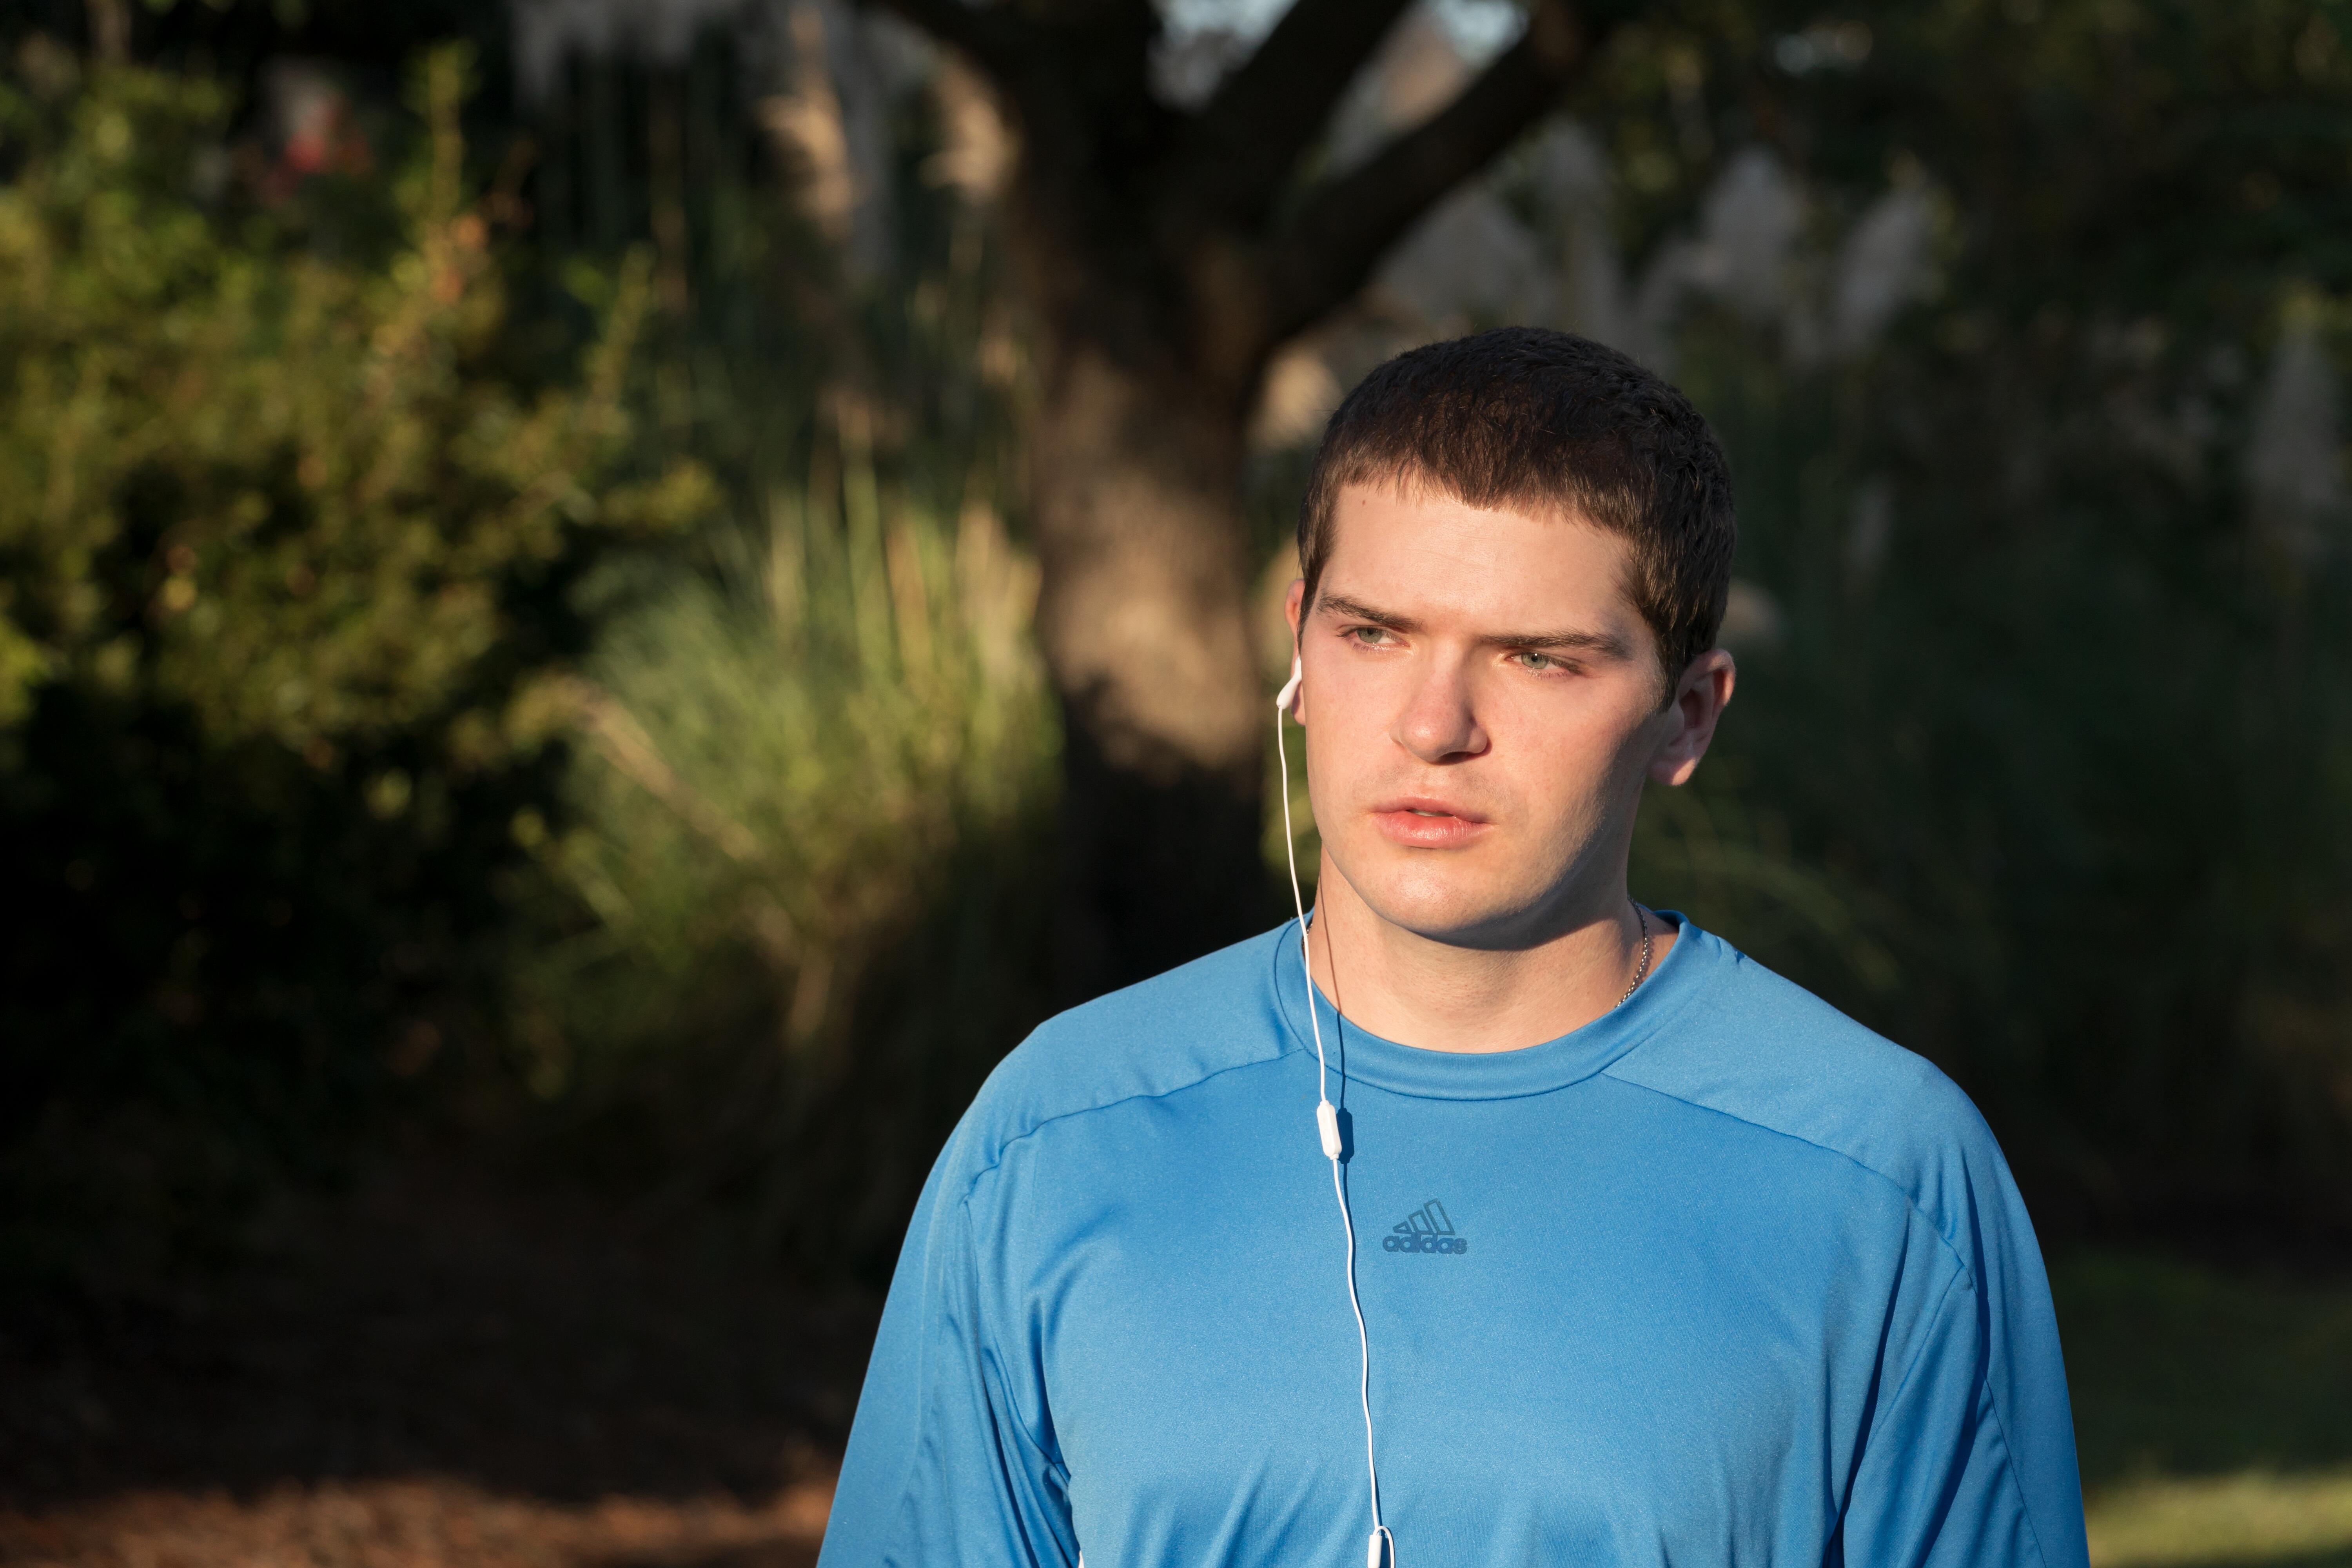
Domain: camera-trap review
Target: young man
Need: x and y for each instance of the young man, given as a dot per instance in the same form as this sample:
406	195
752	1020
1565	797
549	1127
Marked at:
1659	1260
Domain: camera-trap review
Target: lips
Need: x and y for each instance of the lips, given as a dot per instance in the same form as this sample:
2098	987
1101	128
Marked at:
1421	822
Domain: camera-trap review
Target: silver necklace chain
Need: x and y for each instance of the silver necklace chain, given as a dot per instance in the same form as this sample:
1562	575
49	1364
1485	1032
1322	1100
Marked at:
1641	972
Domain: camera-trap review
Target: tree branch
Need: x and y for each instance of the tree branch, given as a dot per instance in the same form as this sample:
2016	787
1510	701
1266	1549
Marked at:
1321	256
1095	14
1251	135
1074	73
993	35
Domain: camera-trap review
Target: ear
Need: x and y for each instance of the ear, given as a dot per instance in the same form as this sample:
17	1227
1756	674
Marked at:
1699	699
1293	700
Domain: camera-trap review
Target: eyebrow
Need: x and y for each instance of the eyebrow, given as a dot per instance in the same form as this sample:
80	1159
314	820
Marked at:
1601	643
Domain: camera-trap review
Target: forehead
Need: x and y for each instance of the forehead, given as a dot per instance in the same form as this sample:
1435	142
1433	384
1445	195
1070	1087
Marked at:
1421	551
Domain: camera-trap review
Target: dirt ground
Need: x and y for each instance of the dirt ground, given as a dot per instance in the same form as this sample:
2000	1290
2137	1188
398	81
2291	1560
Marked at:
435	1368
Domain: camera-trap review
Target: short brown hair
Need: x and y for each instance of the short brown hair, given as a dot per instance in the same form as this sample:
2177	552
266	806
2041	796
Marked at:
1544	421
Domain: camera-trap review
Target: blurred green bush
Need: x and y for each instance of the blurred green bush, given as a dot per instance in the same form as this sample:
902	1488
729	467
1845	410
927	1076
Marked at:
288	548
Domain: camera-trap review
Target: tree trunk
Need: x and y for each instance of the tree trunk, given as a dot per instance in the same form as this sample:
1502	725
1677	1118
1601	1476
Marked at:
1164	253
1144	621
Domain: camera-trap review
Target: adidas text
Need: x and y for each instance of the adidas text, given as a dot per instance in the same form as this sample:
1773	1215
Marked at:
1426	1229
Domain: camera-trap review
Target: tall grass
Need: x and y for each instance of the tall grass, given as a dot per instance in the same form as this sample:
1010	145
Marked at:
802	830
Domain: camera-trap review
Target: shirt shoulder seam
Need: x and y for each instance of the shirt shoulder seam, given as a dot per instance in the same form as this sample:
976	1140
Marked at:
1919	1353
1964	1273
996	1159
2009	1468
996	1155
1909	1201
1052	1457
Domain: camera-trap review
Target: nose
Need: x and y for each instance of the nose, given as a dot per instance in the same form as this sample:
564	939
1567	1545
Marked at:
1439	722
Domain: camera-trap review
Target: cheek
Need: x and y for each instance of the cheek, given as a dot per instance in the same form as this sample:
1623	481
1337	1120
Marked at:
1347	723
1570	758
1331	760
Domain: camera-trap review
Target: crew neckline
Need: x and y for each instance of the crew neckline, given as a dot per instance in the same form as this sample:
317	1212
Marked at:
1357	1054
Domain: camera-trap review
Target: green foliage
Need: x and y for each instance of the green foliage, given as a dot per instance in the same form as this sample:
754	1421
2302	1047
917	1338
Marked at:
315	496
285	555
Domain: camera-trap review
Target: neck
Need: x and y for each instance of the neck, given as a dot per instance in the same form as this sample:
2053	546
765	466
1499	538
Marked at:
1421	991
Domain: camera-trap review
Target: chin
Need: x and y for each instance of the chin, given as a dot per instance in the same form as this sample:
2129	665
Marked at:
1462	909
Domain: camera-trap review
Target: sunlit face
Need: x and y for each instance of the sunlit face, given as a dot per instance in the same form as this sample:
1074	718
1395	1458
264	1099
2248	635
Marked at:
1482	704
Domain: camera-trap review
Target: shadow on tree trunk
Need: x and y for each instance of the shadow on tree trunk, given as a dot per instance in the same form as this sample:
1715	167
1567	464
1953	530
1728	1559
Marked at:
1154	873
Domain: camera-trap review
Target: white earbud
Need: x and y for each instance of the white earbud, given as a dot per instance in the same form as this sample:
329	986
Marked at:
1327	1130
1289	693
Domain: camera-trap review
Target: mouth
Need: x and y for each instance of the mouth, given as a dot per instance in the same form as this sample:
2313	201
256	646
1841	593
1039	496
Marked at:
1420	822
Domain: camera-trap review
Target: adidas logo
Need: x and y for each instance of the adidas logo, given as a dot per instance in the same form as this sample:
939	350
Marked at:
1425	1229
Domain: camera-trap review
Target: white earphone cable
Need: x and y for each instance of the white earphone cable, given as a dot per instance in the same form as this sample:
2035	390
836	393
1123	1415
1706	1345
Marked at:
1328	1127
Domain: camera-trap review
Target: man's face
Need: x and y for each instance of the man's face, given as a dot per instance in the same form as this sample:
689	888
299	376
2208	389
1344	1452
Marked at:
1481	703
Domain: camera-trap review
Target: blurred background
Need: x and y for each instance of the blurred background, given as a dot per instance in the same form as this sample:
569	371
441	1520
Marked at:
582	649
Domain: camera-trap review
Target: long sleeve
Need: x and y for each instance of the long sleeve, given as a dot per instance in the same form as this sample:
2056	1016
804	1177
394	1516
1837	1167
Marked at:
941	1469
1969	1461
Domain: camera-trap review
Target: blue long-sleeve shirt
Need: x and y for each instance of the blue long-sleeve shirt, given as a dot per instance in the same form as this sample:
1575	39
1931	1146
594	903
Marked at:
1720	1277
